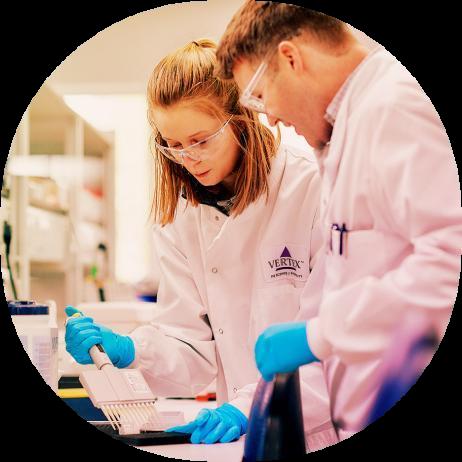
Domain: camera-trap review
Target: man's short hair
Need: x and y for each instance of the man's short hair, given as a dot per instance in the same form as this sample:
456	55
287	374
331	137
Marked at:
258	27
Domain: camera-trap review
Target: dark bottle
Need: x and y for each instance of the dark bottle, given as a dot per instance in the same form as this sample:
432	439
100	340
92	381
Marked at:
275	429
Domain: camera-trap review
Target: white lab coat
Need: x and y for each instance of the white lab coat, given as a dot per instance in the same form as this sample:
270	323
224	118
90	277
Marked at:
391	177
223	282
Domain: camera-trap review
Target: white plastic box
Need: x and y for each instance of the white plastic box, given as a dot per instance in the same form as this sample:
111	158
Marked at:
37	330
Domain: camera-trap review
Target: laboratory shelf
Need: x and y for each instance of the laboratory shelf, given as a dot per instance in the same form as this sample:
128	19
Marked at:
54	239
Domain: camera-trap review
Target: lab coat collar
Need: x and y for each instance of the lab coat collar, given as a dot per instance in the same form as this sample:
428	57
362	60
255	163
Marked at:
221	200
256	211
334	106
329	157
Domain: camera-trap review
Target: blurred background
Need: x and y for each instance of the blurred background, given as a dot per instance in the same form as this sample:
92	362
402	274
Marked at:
77	186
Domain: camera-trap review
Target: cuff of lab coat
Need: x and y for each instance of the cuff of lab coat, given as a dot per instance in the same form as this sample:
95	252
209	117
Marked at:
318	344
322	437
135	364
243	404
147	342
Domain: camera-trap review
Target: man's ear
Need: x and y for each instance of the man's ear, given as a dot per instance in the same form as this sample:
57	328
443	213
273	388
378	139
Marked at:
290	54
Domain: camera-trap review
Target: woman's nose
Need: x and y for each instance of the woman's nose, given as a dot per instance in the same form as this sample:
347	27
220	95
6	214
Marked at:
189	163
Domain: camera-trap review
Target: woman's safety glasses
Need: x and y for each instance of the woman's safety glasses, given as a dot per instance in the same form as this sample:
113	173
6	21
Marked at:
196	151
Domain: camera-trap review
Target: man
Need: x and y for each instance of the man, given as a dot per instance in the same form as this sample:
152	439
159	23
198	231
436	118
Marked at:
390	201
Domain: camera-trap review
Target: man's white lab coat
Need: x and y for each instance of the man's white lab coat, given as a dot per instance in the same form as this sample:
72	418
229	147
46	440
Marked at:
225	279
390	177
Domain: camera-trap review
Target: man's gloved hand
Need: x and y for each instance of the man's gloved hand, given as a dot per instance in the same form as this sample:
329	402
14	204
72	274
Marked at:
282	348
224	424
82	333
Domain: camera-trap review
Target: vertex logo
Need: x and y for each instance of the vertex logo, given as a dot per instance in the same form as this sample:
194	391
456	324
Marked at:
286	265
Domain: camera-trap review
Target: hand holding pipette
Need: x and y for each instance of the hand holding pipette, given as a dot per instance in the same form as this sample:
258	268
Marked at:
82	333
123	395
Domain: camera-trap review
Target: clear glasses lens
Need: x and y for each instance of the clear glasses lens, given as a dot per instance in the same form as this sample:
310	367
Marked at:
253	103
248	99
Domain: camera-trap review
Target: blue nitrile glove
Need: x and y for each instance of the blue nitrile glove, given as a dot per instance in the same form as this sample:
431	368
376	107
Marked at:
82	333
282	348
224	424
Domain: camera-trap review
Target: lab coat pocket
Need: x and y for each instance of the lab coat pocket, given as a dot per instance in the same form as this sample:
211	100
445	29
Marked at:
364	254
275	304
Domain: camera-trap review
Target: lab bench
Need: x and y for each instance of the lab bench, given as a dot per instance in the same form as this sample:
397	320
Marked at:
219	452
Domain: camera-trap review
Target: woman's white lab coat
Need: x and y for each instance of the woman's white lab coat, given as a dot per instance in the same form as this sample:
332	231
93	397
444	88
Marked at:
391	178
225	279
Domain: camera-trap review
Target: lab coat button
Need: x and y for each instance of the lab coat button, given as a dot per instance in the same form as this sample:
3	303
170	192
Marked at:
214	270
235	390
220	330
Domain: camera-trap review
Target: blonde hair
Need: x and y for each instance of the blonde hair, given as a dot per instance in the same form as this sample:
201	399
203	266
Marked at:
188	76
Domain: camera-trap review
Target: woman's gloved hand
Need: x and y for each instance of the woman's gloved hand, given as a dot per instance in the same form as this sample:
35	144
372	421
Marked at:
283	348
224	424
82	333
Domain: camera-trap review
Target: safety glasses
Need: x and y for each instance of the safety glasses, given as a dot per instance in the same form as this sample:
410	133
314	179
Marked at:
196	151
247	98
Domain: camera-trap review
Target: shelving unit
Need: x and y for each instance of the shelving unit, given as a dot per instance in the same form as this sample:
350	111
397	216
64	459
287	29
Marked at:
53	246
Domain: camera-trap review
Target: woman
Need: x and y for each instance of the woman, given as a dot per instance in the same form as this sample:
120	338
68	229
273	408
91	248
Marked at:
236	238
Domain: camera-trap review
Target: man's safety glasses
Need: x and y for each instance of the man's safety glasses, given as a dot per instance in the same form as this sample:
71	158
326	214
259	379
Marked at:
196	151
247	98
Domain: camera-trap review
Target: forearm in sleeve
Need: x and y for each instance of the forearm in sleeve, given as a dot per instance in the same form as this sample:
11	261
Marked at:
173	366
